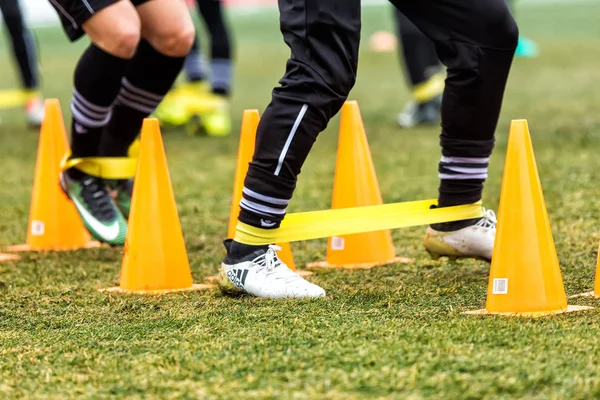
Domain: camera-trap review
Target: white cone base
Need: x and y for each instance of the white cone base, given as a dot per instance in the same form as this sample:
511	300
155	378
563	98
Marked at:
325	264
532	314
586	294
8	257
25	247
194	287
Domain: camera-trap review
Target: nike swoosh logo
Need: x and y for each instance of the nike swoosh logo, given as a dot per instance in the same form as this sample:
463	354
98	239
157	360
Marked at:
107	232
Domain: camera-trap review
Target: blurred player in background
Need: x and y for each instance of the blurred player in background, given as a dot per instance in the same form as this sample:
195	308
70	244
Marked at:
25	54
426	74
202	102
424	71
137	50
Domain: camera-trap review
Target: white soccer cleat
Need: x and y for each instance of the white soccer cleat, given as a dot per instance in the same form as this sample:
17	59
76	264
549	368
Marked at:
475	241
34	110
262	274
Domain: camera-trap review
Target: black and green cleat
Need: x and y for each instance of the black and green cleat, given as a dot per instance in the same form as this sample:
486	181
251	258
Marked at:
97	210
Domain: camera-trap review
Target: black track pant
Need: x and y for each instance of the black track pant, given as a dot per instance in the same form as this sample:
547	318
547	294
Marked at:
418	52
23	43
475	39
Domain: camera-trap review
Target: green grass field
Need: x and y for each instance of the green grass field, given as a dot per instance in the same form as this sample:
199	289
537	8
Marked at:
389	332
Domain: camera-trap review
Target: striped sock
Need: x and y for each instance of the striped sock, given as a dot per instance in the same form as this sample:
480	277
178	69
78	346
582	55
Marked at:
97	82
142	90
262	211
461	182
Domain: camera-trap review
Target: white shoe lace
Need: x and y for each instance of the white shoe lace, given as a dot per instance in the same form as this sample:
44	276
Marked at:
272	265
489	219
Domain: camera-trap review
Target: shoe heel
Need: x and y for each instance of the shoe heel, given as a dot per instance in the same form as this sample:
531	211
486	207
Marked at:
226	286
434	256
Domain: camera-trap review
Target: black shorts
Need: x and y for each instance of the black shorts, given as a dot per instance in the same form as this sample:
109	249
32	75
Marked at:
73	13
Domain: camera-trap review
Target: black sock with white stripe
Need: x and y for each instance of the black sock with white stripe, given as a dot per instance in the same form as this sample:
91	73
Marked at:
461	182
264	205
97	82
149	78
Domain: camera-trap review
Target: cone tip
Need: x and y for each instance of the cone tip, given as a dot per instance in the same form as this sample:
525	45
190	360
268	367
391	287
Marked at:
150	128
151	122
51	104
350	105
518	122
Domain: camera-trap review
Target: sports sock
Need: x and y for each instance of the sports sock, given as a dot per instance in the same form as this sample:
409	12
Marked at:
148	79
240	250
195	65
97	82
461	182
221	76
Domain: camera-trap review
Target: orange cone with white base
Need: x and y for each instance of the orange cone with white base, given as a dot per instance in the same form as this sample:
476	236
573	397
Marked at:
356	185
53	220
250	121
596	292
525	278
155	260
8	257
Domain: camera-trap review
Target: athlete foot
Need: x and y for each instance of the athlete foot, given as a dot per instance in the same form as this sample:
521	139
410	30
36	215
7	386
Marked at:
96	208
34	110
121	191
218	121
414	114
475	241
263	274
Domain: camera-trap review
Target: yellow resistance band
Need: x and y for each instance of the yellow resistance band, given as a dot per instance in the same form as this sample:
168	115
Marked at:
429	89
347	221
102	167
15	97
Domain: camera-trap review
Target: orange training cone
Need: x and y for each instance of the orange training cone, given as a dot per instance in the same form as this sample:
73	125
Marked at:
250	122
355	185
155	260
596	292
525	277
53	220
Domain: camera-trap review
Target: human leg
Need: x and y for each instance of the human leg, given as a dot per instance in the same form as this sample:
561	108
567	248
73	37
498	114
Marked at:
25	54
114	30
476	41
425	74
324	38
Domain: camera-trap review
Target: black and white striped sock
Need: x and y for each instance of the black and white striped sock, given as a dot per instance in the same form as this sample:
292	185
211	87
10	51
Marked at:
461	182
97	82
461	179
149	78
260	210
